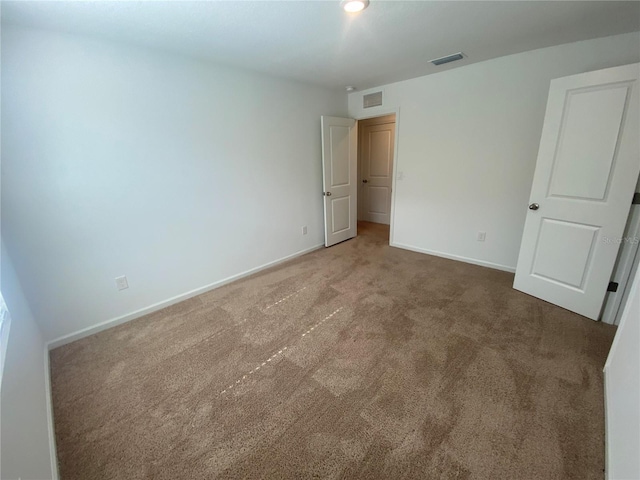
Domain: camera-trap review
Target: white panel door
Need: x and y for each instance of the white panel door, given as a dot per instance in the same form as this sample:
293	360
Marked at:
339	173
376	155
585	177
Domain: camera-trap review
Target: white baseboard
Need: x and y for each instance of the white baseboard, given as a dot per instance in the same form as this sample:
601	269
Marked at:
606	425
85	332
50	425
459	258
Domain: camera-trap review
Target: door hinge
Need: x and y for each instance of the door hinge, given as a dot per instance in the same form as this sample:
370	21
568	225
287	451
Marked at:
636	199
613	287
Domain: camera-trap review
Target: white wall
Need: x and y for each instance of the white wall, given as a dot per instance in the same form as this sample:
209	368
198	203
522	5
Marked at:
25	436
622	393
126	161
467	146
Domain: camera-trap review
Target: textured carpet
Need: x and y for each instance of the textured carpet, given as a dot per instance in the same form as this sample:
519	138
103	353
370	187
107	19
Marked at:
360	361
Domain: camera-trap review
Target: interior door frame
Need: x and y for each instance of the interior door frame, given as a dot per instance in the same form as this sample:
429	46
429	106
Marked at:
381	113
372	122
623	269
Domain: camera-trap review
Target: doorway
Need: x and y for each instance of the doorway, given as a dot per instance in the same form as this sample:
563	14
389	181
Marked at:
625	266
376	147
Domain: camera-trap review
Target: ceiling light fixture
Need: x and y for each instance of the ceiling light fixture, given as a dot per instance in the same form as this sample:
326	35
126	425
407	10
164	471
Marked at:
350	88
354	6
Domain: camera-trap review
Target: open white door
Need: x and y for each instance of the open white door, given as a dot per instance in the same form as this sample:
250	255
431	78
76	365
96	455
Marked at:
585	177
339	173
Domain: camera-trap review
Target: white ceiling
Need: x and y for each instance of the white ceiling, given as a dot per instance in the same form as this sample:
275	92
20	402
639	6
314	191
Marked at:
317	42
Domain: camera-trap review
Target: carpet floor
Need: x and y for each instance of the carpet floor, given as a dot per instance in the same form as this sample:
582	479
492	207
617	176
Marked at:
359	361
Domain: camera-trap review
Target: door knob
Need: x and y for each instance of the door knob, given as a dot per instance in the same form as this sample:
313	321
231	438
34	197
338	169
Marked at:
328	194
534	206
365	181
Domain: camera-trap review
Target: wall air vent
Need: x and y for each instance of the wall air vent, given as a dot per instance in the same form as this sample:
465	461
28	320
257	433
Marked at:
372	100
447	59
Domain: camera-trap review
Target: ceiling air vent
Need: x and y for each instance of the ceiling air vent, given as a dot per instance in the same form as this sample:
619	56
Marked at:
372	100
447	59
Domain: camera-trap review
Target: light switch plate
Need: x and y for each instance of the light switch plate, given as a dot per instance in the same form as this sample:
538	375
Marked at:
122	283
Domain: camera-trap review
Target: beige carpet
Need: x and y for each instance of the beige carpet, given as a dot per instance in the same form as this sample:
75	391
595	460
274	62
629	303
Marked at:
360	361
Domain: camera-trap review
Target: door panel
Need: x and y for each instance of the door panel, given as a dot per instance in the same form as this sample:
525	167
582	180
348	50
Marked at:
380	152
339	174
563	251
378	200
376	154
339	151
588	139
586	172
340	214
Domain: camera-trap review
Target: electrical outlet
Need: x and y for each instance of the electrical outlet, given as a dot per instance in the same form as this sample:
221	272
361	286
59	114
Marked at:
481	236
121	283
304	230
